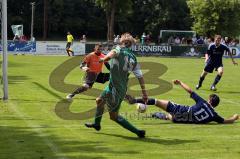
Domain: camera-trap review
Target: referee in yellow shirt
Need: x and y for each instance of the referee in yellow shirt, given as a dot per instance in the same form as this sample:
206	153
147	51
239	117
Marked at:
69	43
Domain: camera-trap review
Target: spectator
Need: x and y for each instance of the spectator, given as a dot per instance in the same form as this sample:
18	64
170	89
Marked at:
177	41
137	39
143	38
170	40
116	39
184	41
194	39
200	41
83	39
16	37
148	39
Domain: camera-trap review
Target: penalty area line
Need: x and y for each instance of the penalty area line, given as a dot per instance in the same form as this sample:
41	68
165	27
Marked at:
35	127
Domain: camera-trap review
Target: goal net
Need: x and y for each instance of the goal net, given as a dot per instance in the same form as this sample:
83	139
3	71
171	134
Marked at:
166	34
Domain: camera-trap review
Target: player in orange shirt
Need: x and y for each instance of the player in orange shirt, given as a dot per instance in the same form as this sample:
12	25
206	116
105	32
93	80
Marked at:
93	69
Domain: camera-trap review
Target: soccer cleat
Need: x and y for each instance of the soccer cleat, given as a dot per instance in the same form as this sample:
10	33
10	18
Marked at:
198	86
69	96
130	99
213	88
141	133
159	115
91	125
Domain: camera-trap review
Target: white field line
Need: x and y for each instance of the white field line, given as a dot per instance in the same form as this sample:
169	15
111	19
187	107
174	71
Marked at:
230	101
35	127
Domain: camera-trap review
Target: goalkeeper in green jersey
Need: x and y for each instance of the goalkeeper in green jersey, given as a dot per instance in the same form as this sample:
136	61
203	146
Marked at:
122	61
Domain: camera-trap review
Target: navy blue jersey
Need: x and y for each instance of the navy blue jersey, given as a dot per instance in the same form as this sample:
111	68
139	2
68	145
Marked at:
199	113
215	53
202	112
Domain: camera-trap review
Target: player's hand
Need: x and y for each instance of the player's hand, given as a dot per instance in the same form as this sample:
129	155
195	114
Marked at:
86	69
177	82
236	116
101	60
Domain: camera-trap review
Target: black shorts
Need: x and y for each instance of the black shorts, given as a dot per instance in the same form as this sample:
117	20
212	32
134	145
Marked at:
68	45
90	78
210	67
174	108
180	113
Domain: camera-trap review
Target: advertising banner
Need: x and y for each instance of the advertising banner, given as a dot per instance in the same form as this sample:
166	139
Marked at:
59	48
21	47
235	52
18	46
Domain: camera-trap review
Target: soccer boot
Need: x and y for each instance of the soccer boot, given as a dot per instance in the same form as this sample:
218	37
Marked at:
69	96
213	88
141	133
91	125
198	86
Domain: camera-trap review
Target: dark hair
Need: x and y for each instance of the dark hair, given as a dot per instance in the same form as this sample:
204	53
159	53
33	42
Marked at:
214	100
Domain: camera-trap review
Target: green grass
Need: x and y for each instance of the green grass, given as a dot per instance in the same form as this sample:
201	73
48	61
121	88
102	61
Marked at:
30	128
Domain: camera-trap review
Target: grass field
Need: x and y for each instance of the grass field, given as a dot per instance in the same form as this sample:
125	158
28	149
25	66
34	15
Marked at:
34	126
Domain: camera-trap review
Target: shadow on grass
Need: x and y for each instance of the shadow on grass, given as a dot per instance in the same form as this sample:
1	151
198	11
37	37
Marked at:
28	143
153	140
17	79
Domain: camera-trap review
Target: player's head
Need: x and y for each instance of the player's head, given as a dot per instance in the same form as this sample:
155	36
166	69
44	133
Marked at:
213	100
217	39
68	33
127	39
97	49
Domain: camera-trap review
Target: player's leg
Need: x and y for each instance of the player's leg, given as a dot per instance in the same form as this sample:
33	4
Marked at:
201	79
151	101
88	83
132	100
67	48
163	104
79	90
125	124
217	78
98	115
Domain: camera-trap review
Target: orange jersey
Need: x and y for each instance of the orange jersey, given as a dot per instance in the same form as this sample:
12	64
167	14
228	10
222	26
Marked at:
92	61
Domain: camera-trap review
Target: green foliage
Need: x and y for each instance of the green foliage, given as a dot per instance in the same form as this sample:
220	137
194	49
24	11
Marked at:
154	15
215	16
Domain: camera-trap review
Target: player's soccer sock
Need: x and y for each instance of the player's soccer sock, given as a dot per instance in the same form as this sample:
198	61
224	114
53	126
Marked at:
79	90
201	79
217	79
98	115
150	101
124	123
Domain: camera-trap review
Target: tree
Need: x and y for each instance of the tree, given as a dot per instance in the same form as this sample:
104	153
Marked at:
111	7
215	17
155	15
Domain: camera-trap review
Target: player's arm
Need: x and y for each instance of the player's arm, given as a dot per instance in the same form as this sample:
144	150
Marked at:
109	56
139	75
206	57
107	65
231	119
183	85
84	65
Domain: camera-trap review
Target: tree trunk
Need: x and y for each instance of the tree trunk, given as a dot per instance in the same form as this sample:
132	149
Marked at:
110	13
45	19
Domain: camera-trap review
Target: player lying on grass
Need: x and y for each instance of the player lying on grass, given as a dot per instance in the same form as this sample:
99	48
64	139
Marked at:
93	70
200	113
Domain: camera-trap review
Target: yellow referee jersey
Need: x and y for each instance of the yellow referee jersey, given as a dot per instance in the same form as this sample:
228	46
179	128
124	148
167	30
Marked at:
70	38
